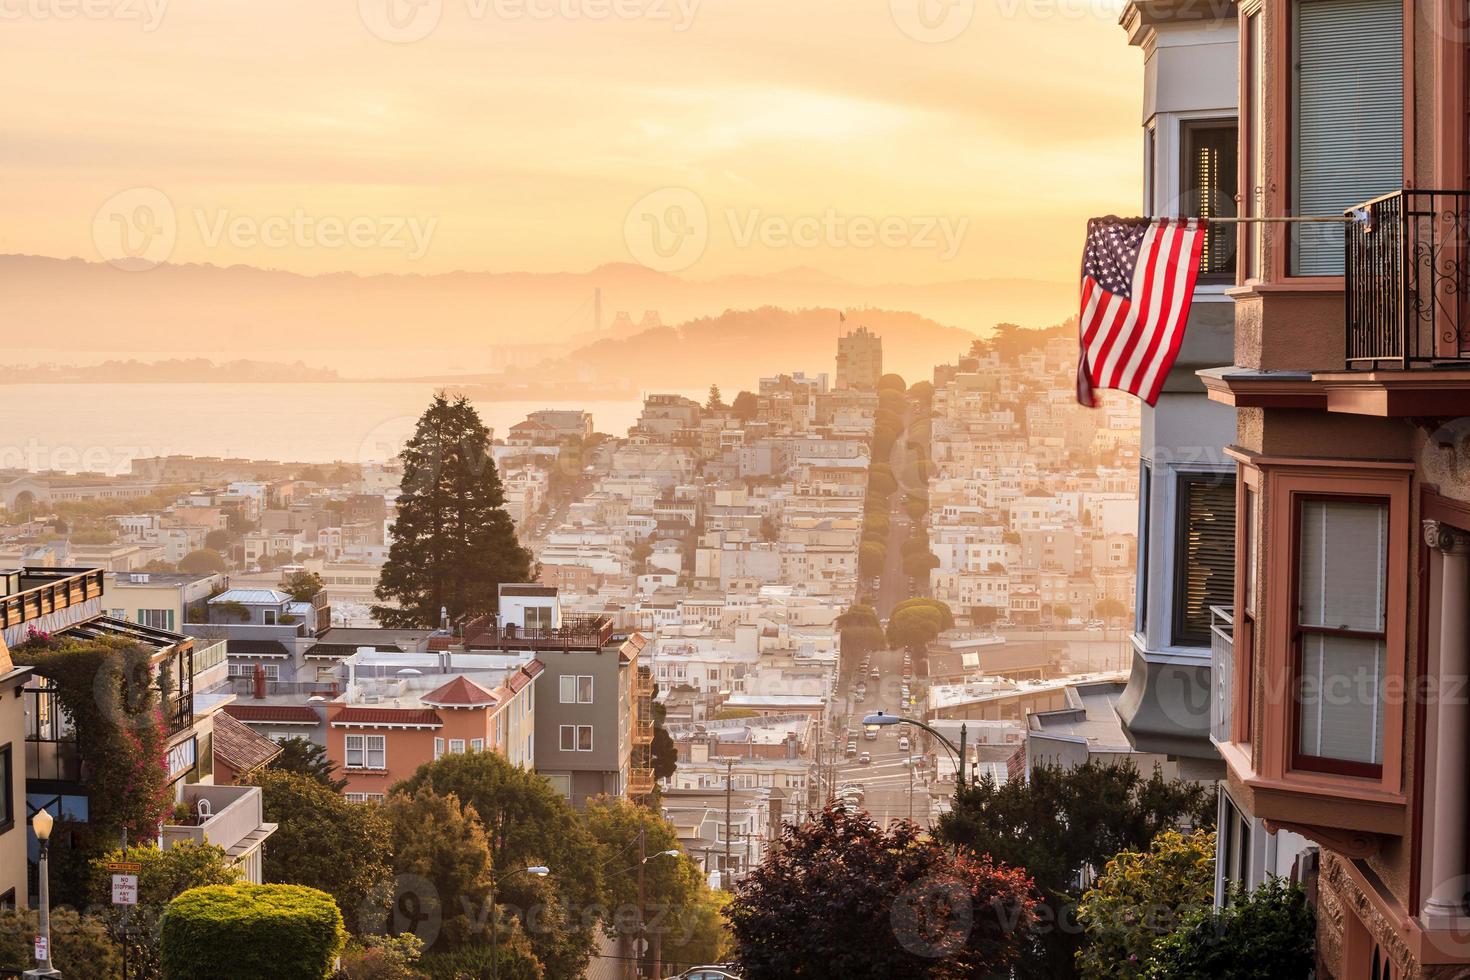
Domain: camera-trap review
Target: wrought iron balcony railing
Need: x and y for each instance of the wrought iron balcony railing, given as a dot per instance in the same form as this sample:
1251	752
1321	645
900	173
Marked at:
640	781
1407	280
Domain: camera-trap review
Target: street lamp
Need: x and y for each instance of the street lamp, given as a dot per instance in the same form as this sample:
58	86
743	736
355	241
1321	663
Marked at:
883	720
41	823
536	871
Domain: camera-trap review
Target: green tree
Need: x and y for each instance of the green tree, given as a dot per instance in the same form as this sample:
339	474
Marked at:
1257	935
529	823
892	382
746	406
306	758
381	958
1062	611
453	542
701	935
714	403
217	540
1140	898
946	615
841	897
204	561
302	585
1110	609
439	842
673	886
1061	822
325	841
162	877
871	558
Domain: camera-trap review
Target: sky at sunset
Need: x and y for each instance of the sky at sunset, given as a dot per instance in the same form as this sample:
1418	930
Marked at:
874	140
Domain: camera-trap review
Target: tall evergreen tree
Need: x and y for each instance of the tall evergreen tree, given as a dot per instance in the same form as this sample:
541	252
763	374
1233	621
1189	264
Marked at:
453	542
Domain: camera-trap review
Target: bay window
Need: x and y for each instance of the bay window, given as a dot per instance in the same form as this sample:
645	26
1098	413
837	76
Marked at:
1340	634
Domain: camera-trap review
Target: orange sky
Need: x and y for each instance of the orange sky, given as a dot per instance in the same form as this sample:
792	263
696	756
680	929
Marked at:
699	136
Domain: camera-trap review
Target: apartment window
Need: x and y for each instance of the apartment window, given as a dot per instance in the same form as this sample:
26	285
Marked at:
538	617
366	751
477	745
1204	556
1209	156
576	738
247	670
438	748
158	619
7	790
584	688
1233	846
1348	118
270	617
456	746
1340	636
576	689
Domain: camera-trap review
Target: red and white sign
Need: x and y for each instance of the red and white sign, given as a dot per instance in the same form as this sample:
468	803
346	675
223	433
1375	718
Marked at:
41	951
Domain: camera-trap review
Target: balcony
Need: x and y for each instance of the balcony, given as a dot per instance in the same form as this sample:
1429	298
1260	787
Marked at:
1222	671
643	732
575	633
640	781
43	596
643	683
1407	273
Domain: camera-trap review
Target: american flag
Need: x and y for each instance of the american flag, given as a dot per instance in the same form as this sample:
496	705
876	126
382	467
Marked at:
1137	282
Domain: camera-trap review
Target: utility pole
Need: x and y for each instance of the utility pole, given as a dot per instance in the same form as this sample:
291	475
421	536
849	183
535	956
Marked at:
729	786
637	959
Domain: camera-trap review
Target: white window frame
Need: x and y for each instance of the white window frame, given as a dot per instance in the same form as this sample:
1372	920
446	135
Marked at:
568	688
477	745
568	738
438	747
365	748
588	679
456	746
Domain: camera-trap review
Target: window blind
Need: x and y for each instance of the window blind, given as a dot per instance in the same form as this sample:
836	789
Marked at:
1349	118
1342	585
1205	559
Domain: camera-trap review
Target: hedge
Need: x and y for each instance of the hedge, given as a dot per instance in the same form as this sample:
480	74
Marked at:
251	932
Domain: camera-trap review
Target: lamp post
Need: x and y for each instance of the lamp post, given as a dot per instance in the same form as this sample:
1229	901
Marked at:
536	870
41	823
882	720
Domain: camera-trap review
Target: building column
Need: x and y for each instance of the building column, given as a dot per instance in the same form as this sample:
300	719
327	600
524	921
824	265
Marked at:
1452	731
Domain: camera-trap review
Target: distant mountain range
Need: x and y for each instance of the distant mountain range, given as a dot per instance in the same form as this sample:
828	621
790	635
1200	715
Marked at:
738	347
48	303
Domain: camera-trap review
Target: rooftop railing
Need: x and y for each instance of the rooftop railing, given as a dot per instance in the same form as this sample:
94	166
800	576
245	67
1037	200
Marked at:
43	591
1407	280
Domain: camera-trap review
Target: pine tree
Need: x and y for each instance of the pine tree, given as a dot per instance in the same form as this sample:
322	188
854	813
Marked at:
453	542
715	402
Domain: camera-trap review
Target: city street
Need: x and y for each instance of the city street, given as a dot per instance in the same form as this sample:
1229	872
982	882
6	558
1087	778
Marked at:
886	780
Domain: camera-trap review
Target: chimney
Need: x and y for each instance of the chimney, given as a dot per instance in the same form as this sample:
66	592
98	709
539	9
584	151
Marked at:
258	679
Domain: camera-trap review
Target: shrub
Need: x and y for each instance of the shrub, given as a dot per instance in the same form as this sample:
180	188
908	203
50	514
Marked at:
80	946
251	932
1140	898
1258	935
475	963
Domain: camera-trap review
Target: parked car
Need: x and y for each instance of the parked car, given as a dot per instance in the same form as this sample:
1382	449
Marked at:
865	758
851	749
716	972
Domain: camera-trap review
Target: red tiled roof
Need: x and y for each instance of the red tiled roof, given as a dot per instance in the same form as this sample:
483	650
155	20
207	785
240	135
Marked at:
459	693
289	713
525	675
417	717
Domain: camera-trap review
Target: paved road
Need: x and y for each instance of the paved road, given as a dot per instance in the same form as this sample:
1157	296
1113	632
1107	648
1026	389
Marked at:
895	587
886	780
